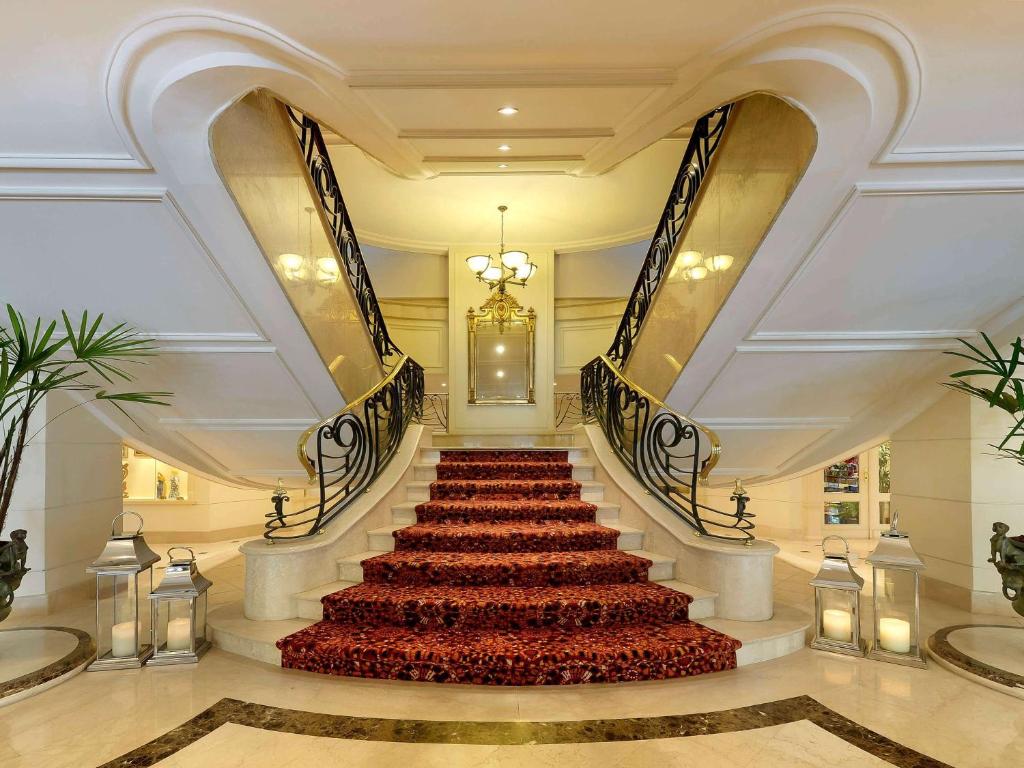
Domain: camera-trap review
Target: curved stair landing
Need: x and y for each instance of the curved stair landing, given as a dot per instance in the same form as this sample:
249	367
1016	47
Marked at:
506	579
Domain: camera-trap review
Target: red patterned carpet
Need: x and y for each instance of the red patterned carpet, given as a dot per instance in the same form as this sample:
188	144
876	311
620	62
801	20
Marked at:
505	579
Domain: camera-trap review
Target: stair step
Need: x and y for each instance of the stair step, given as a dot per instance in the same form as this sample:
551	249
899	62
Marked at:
505	607
629	538
308	602
705	602
663	568
511	537
428	471
516	569
383	539
419	490
404	513
433	454
545	656
350	568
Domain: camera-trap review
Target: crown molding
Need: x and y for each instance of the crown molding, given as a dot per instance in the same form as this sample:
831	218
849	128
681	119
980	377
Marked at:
498	133
779	423
494	79
80	161
503	158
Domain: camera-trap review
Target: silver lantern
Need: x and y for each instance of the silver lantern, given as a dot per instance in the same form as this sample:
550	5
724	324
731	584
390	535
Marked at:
124	577
837	590
896	599
179	611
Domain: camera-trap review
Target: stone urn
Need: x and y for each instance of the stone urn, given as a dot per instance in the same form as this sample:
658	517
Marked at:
1008	558
13	556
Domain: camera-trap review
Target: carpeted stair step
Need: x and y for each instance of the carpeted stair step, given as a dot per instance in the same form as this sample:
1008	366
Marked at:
544	656
505	489
504	470
518	569
513	455
505	537
487	510
505	607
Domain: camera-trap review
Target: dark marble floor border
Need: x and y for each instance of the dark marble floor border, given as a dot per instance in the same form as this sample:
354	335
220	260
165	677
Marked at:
939	645
521	733
79	656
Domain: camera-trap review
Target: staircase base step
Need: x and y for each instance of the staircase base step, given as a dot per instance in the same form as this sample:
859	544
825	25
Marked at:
545	656
308	603
705	602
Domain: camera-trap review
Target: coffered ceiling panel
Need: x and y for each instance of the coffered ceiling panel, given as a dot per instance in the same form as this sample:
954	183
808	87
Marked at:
540	108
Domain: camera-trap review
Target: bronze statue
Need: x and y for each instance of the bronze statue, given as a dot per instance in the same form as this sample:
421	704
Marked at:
1008	558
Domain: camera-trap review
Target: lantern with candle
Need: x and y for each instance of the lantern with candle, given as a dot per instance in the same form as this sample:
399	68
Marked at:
124	576
179	611
837	590
896	599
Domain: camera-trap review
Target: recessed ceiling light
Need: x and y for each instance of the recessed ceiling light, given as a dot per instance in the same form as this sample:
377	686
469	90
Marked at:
504	148
503	165
508	110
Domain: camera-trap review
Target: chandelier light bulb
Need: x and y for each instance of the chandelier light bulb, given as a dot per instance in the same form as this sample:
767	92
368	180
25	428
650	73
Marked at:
500	349
719	263
492	273
698	273
526	271
478	263
327	270
514	259
690	258
500	374
292	264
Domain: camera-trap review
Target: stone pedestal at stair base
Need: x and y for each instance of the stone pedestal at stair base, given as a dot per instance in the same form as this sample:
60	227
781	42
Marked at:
275	573
741	575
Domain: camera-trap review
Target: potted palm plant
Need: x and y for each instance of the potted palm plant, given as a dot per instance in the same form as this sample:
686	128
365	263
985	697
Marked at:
1005	390
36	360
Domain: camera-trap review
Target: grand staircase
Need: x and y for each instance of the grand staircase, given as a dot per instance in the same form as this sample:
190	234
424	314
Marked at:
506	568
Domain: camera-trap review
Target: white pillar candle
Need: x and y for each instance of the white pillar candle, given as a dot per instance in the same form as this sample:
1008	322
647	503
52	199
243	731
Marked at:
894	635
837	625
179	635
122	639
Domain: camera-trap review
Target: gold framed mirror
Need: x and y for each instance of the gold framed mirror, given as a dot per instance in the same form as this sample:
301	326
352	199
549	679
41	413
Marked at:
501	351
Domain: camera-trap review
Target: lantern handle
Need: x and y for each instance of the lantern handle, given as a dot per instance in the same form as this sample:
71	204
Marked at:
187	549
136	515
846	544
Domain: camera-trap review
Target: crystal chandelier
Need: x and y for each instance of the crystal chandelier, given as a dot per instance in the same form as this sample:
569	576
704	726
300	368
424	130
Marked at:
512	267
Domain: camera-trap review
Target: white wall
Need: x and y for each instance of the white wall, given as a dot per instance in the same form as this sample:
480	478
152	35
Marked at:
605	273
68	492
399	274
949	489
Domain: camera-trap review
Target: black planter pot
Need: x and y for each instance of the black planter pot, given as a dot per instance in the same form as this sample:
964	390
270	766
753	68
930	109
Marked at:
13	555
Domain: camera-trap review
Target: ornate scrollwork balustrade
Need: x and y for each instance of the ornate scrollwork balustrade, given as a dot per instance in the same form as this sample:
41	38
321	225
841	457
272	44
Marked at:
707	134
667	453
568	410
318	162
351	449
435	411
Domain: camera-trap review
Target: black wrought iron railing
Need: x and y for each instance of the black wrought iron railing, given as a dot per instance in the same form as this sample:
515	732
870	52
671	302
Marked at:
344	454
318	162
347	452
435	411
706	136
568	411
667	453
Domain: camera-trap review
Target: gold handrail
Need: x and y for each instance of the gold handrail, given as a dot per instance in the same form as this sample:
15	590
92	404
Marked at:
300	447
716	444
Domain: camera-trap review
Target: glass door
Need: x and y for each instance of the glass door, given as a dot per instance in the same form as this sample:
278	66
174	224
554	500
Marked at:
845	507
879	482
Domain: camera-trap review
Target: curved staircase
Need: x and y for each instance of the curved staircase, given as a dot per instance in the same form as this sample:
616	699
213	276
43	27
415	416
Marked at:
506	569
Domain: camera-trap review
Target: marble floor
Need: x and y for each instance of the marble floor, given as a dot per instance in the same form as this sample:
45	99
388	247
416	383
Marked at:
806	709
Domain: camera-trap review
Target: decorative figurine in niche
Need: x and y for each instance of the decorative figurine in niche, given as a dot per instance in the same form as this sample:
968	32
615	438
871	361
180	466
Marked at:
175	492
124	480
161	486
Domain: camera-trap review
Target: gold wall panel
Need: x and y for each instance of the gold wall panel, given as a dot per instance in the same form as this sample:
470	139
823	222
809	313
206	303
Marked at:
766	147
258	156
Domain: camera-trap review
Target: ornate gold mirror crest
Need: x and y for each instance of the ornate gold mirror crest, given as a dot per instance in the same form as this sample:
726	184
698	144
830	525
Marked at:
501	351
